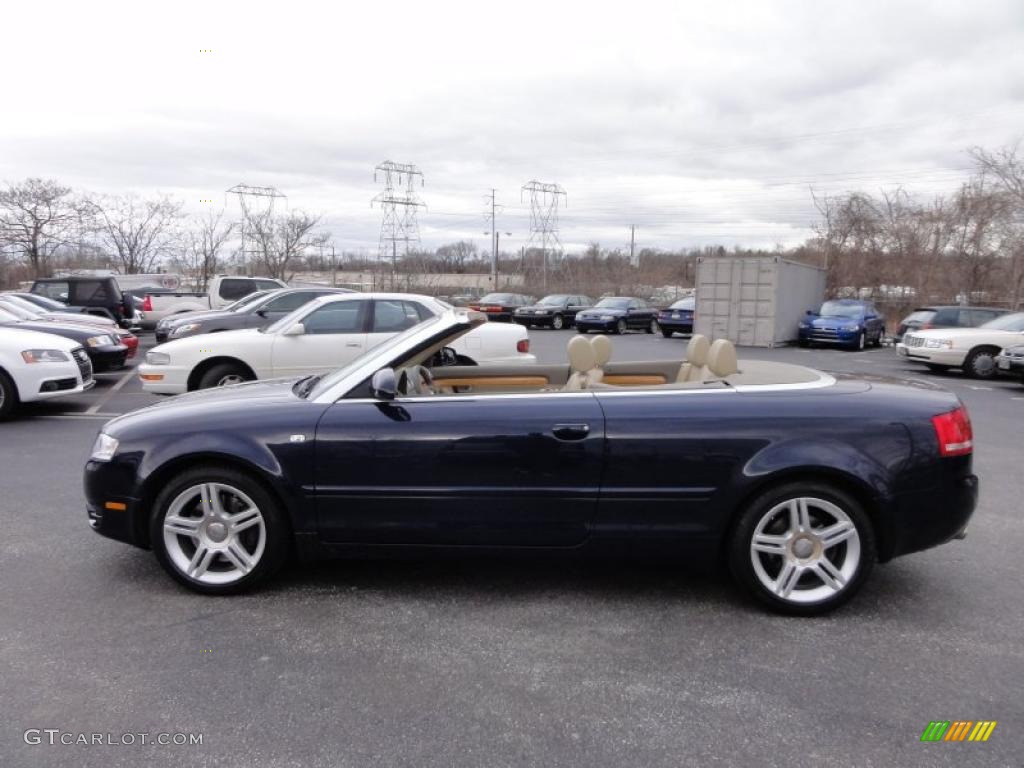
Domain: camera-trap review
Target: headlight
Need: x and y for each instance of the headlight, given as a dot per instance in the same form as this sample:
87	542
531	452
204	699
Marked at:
158	358
104	448
186	328
851	327
607	317
938	343
99	341
805	326
44	356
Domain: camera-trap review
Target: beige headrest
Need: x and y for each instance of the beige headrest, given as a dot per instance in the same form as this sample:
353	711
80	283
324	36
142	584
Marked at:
722	358
602	349
581	354
697	350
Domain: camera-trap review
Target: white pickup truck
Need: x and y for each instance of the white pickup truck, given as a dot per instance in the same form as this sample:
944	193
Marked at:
223	290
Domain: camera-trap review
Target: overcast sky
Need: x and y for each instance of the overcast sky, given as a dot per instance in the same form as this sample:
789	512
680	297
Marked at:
699	122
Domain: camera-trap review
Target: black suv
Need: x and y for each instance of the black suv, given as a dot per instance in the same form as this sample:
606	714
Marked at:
923	318
97	295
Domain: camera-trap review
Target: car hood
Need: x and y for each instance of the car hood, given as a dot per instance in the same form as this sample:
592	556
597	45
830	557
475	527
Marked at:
543	306
830	320
208	406
196	317
69	331
188	344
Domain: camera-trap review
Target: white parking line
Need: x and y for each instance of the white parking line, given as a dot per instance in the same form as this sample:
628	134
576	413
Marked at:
103	400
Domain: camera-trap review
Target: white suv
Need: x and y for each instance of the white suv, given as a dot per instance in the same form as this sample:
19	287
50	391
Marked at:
39	366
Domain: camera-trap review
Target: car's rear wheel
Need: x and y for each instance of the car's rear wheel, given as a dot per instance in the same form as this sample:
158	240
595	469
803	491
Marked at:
223	375
981	363
802	548
218	531
557	322
666	333
620	326
652	327
8	396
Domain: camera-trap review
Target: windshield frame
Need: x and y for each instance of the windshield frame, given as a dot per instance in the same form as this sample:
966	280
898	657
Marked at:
1015	319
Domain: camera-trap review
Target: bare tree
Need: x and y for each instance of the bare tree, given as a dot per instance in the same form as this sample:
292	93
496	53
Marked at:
140	232
203	244
37	217
280	240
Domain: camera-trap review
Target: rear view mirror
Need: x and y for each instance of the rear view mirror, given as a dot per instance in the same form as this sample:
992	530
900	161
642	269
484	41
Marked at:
384	385
296	330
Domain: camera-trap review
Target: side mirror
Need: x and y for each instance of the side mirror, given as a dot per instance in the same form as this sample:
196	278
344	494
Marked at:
261	312
296	330
809	312
384	385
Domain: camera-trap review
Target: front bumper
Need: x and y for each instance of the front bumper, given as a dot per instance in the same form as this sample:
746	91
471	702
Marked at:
596	325
108	357
111	483
1010	365
173	379
820	336
950	357
542	320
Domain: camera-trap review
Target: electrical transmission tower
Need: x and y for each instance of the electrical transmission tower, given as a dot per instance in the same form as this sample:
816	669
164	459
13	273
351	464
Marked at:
254	216
544	200
399	203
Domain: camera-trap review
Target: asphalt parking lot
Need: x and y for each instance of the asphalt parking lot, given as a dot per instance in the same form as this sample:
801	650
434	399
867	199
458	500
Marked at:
482	663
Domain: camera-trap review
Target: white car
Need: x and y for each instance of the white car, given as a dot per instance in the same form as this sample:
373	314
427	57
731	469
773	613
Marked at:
317	338
39	366
972	349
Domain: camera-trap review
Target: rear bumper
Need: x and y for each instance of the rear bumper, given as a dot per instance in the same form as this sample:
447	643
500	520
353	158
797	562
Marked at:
676	326
928	518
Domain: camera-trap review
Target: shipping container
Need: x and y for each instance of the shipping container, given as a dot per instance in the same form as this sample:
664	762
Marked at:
755	301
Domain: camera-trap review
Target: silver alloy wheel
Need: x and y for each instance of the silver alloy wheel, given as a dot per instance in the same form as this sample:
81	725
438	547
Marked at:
214	533
231	378
805	550
654	326
557	322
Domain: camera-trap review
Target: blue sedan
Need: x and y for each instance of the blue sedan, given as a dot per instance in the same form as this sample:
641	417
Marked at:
702	461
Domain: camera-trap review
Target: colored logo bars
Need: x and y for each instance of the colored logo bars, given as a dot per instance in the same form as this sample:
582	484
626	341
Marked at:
958	730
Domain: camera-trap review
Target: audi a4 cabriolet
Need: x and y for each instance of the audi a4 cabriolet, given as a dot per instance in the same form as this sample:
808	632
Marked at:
798	480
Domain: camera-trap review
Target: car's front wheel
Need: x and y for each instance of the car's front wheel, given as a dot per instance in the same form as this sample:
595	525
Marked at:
652	327
620	327
218	531
802	548
557	322
223	375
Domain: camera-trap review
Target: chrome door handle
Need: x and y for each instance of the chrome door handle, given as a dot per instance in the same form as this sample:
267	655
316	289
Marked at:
570	431
353	344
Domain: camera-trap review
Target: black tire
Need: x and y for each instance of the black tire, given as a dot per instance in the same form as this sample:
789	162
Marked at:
652	327
879	337
278	531
936	368
8	396
861	342
218	373
741	561
981	363
803	343
666	333
621	327
557	323
580	330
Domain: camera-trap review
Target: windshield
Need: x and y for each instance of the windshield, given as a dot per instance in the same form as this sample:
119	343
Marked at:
687	303
246	301
382	349
1014	322
7	317
15	308
553	301
839	309
496	298
613	302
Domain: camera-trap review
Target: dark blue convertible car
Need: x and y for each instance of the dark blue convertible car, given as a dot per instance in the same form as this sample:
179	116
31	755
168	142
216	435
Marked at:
798	480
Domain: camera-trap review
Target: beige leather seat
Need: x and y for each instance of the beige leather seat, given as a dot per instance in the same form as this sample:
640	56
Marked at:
582	360
696	359
722	359
602	353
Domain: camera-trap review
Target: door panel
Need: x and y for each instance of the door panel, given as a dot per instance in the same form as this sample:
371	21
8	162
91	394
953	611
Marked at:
334	336
460	470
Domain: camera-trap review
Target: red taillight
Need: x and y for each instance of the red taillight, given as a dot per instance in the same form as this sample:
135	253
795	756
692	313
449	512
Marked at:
147	304
954	433
523	346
